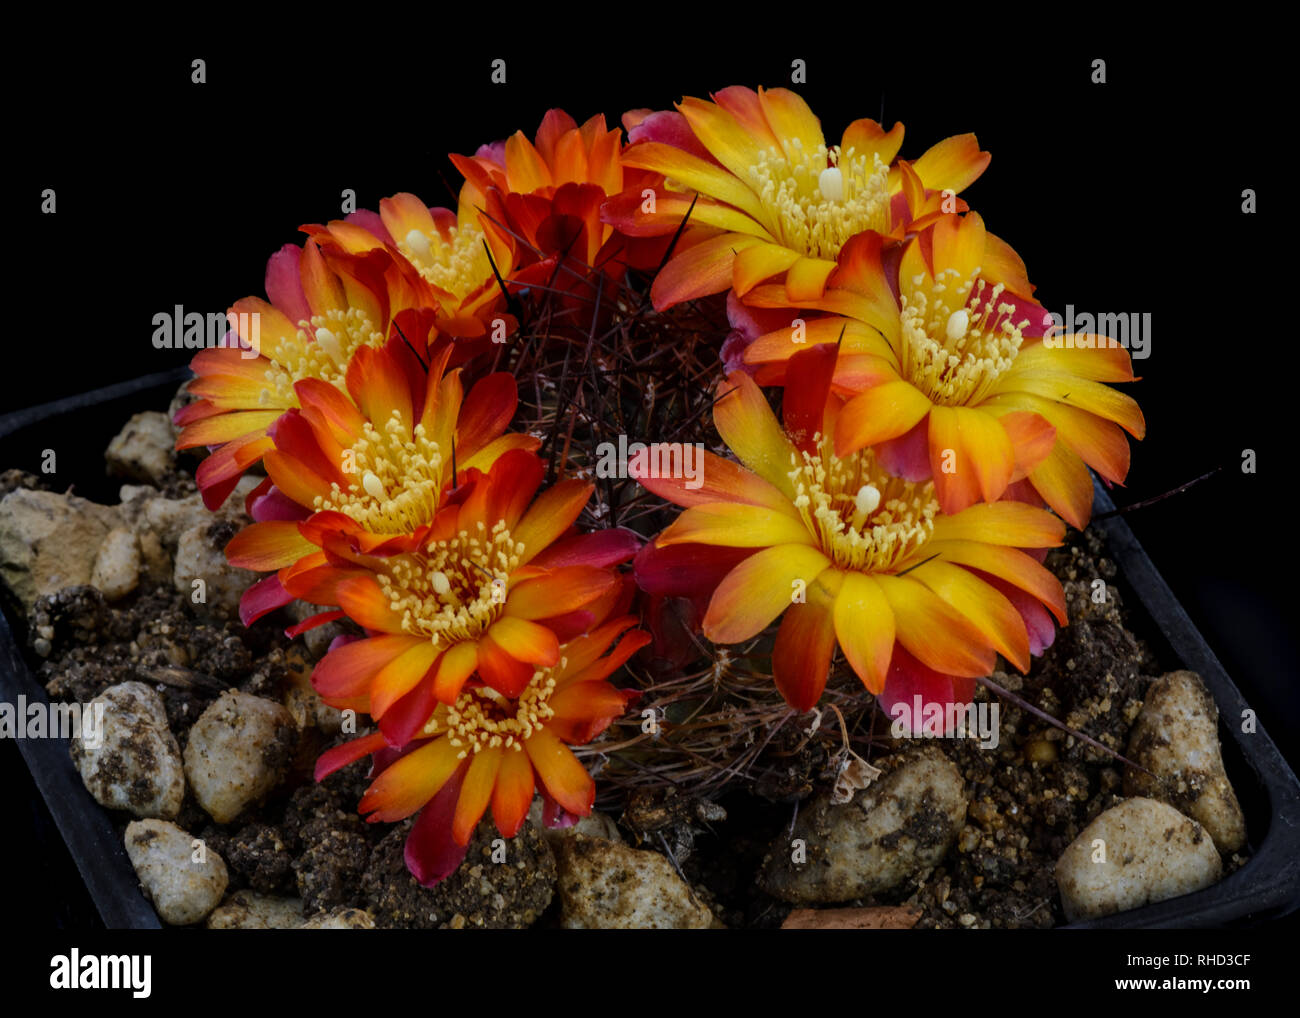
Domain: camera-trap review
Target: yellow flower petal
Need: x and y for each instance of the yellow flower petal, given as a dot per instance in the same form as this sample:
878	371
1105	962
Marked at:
864	626
934	631
735	525
750	429
759	589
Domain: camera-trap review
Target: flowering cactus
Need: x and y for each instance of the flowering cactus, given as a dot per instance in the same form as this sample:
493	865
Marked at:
894	511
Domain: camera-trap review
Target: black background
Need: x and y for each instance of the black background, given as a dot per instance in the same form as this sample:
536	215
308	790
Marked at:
1121	197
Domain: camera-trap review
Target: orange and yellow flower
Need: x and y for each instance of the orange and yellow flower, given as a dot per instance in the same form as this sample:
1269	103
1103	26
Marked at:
774	200
489	588
547	193
323	306
485	750
381	456
844	553
452	253
949	372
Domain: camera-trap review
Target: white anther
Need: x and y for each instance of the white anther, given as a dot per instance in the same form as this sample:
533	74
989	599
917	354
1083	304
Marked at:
373	485
867	500
831	184
958	323
329	342
418	243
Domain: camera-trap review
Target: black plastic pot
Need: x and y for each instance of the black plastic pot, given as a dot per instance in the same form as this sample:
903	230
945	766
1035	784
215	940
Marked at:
78	429
1268	886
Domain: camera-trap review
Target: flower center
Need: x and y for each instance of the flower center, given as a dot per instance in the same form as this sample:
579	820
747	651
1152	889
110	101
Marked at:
863	518
458	264
454	589
323	348
399	480
816	200
957	340
481	718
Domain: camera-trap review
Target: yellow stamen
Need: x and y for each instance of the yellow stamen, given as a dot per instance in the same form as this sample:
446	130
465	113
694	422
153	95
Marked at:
816	200
481	718
458	264
957	339
321	349
407	463
452	589
862	518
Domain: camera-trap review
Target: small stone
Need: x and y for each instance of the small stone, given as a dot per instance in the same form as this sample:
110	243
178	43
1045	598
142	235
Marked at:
155	559
607	886
597	825
181	877
902	823
1176	738
872	917
248	910
984	813
159	522
131	760
210	584
1133	854
14	478
1040	751
167	518
302	701
144	449
238	750
341	919
117	564
50	541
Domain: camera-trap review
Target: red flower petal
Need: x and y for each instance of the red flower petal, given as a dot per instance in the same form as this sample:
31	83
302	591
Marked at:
912	690
262	597
431	853
350	752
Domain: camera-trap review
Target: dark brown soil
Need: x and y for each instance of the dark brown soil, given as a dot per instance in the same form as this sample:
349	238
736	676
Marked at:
500	885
